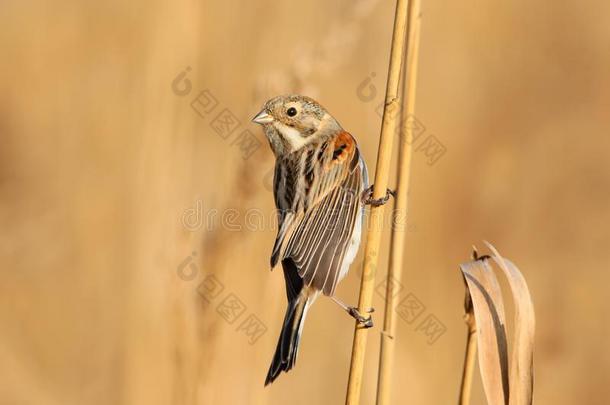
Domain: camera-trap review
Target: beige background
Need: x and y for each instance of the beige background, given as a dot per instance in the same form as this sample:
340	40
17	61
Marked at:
99	159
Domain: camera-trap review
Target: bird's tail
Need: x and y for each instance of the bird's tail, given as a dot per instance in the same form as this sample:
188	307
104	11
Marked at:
286	352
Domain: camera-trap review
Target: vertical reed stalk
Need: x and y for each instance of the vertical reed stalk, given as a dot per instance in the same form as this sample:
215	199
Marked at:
469	359
400	217
373	240
471	343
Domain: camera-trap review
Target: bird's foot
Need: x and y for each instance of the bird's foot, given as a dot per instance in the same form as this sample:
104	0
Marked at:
367	197
366	322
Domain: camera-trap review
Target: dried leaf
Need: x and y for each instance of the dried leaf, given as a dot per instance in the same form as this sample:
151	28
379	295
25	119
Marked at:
491	332
521	365
501	387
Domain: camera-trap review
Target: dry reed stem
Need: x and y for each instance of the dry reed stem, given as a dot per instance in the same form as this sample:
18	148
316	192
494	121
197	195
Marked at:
471	350
373	240
386	354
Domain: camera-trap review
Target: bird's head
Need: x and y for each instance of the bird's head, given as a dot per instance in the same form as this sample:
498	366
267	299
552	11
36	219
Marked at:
290	122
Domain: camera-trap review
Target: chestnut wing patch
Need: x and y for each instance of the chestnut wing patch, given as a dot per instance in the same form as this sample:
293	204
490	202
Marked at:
344	146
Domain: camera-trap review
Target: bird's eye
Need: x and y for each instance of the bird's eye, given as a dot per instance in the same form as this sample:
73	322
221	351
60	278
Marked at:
291	112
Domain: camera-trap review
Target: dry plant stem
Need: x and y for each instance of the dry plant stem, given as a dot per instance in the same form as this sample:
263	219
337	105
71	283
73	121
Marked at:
373	240
399	229
469	360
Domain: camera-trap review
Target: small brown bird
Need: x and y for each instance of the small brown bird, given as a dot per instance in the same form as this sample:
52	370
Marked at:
318	184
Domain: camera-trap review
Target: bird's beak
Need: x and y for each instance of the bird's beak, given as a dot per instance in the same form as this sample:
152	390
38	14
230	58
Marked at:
262	118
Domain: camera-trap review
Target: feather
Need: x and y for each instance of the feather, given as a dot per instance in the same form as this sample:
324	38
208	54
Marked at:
318	202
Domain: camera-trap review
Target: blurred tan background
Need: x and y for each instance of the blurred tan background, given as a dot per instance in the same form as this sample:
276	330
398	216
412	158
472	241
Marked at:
102	156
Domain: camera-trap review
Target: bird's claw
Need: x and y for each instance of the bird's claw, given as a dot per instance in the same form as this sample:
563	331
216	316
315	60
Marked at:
367	197
366	322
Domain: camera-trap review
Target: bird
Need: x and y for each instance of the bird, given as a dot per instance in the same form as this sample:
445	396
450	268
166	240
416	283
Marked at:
320	188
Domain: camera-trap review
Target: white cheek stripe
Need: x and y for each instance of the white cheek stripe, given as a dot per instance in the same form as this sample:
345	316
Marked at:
292	135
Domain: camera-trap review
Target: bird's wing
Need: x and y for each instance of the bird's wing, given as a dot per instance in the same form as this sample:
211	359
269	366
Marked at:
316	231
